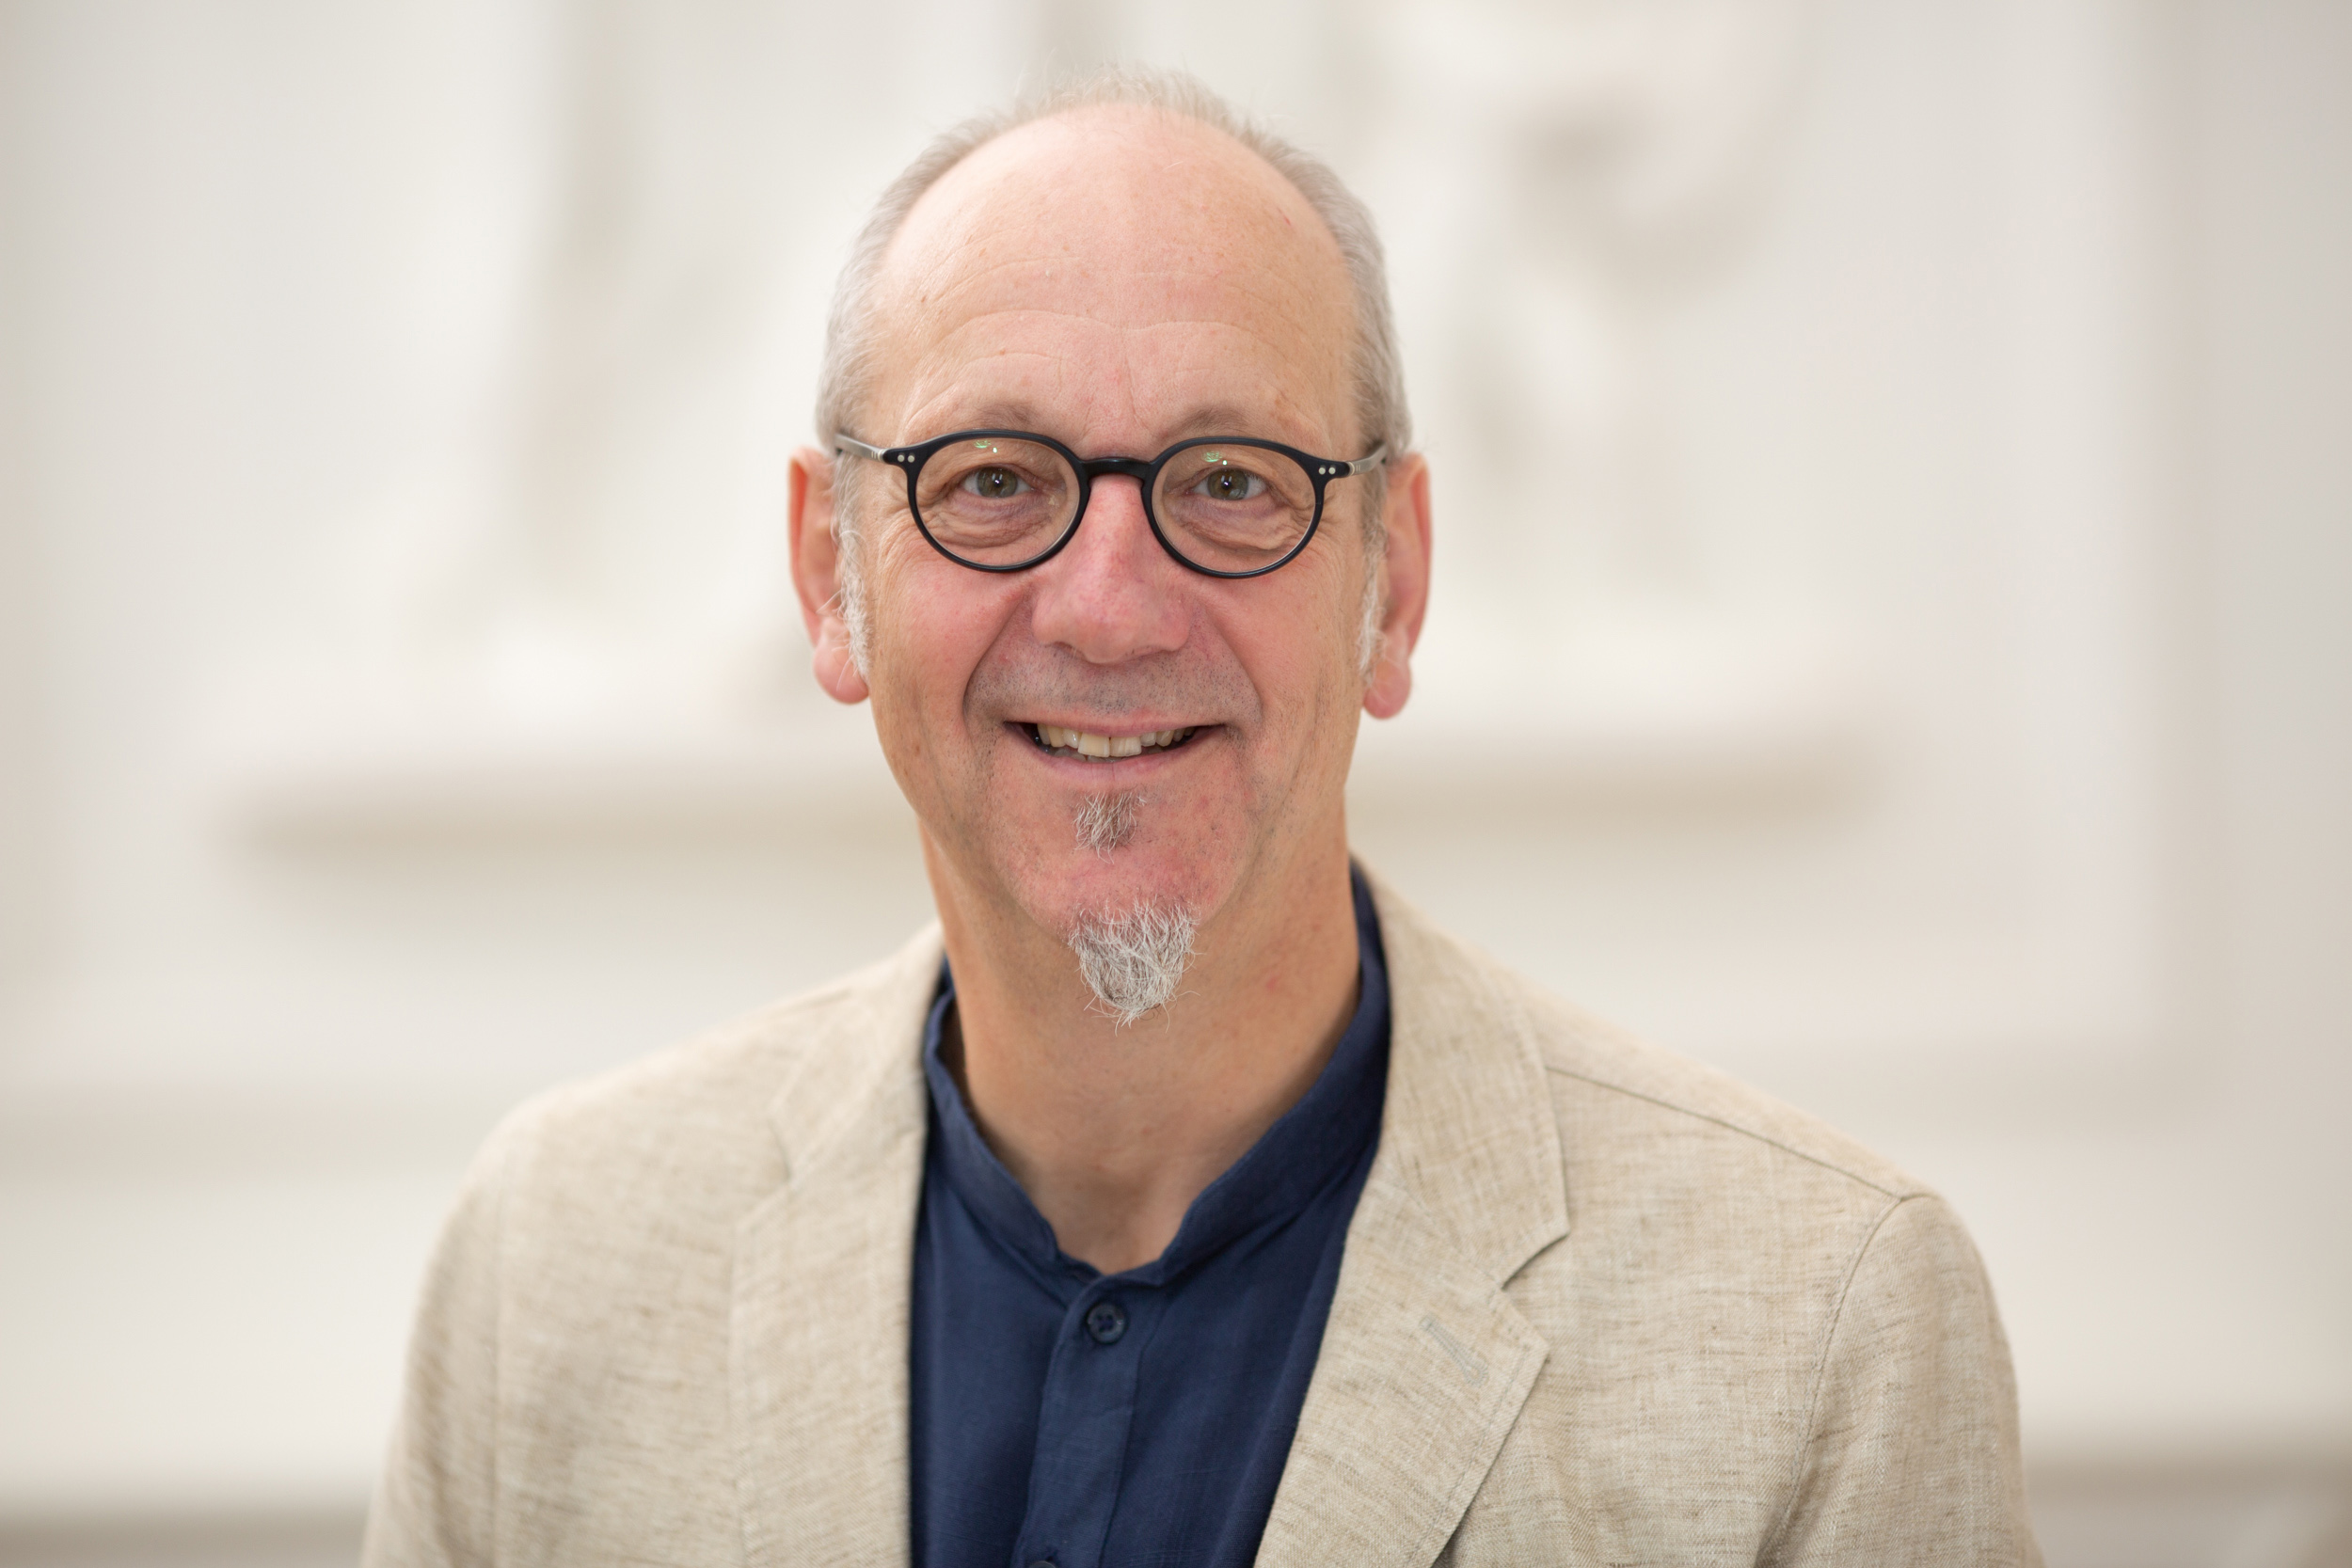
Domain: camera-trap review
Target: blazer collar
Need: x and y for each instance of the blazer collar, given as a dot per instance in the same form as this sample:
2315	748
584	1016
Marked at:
817	1335
1468	1129
1425	1362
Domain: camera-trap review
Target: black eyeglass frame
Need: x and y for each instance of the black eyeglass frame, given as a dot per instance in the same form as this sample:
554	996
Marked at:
1320	472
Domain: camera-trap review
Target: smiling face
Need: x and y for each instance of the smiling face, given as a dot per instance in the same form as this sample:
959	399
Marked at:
1108	727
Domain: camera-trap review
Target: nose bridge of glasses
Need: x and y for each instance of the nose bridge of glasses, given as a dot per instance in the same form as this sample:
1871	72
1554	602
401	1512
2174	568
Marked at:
1115	468
1090	469
1127	467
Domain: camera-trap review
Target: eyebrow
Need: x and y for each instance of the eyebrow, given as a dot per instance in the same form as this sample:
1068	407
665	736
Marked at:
1216	419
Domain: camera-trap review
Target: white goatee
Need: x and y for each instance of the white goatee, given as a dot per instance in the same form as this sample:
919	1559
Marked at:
1134	961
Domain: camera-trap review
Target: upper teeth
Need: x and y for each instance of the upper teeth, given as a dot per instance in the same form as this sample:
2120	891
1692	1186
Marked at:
1087	743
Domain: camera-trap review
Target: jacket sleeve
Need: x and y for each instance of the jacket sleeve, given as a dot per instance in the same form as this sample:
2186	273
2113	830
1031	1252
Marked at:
435	1500
1912	1453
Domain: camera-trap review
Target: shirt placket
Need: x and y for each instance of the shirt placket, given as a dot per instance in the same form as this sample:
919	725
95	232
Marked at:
1083	1422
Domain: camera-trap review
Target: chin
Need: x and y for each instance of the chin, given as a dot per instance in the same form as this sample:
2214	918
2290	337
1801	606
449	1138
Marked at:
1073	884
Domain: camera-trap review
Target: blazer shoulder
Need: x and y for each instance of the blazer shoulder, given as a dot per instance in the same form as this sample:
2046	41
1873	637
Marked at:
1608	1088
706	1103
1609	1068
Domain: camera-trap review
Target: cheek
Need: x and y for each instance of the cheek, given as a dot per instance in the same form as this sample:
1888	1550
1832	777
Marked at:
933	623
1302	661
1306	640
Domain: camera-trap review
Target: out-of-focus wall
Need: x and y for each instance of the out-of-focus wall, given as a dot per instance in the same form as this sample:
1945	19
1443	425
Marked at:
1893	497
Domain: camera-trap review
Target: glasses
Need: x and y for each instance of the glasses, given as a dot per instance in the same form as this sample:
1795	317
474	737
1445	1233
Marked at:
1001	501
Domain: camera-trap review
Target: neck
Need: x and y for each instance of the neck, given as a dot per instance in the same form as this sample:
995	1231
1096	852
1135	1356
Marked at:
1112	1130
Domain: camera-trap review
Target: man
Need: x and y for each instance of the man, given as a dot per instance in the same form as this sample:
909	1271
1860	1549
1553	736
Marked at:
1184	1197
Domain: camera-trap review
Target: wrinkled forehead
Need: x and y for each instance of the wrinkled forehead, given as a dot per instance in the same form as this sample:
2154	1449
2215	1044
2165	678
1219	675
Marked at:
1115	241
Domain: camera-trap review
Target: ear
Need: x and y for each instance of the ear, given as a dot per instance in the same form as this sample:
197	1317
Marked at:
816	574
1404	584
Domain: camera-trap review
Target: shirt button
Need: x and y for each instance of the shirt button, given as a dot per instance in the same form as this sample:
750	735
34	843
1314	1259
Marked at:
1106	1320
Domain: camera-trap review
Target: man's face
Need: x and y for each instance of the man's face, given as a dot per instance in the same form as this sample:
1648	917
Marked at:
1120	281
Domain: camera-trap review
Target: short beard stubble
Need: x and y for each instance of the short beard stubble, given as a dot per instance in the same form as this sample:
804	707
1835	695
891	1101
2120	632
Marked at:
1107	822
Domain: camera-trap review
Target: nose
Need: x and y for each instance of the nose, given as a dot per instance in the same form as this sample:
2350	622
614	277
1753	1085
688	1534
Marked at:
1112	593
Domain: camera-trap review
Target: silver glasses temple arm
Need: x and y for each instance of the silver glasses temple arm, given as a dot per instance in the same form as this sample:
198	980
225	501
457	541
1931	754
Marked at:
1378	455
843	442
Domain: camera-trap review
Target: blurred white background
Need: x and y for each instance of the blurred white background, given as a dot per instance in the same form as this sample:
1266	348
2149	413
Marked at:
1920	680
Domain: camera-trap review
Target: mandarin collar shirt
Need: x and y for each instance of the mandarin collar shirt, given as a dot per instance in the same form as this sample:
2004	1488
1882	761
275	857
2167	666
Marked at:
1064	1416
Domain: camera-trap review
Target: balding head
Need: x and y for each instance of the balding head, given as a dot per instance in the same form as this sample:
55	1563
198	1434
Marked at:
1092	261
850	350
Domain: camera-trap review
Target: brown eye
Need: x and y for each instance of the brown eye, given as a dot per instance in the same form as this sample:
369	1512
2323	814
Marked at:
1230	484
995	485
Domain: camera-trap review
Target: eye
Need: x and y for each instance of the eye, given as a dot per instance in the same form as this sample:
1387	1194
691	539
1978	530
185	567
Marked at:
1229	484
995	485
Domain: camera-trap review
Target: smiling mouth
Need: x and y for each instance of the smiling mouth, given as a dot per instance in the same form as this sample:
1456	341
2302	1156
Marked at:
1087	746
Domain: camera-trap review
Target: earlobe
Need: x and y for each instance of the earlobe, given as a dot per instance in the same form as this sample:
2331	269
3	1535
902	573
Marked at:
816	576
835	663
1404	582
1392	680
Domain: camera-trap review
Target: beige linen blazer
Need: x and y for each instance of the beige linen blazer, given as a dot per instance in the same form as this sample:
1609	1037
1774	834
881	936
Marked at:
1598	1305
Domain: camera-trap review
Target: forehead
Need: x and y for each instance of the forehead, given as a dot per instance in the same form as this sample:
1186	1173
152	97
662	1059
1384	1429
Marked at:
1120	272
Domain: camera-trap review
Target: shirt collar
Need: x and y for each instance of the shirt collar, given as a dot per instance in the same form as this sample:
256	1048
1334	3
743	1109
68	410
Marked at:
1314	1142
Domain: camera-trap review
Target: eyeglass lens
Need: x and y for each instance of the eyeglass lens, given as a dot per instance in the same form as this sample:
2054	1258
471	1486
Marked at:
1001	501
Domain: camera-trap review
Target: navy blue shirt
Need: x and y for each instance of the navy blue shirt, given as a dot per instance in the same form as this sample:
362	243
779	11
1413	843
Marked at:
1063	1416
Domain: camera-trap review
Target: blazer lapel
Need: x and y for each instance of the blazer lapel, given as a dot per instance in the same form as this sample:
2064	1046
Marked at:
818	1341
1424	1361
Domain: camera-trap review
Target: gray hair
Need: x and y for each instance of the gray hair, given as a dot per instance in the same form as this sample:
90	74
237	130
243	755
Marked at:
846	377
1133	962
1105	822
